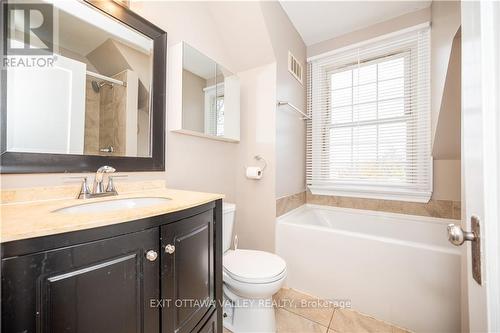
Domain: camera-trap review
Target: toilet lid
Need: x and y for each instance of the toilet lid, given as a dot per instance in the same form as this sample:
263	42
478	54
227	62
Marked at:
253	266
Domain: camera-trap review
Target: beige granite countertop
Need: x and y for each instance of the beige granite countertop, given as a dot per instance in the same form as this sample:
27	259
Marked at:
29	219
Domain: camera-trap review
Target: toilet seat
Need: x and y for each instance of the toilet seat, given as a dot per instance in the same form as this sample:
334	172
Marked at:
254	267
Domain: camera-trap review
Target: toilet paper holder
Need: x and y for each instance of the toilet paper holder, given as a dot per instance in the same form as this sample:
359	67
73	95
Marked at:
260	158
256	172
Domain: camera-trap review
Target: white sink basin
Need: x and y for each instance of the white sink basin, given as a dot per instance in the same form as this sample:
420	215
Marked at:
111	205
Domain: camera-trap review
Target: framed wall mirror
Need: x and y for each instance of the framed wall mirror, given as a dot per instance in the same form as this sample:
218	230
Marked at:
207	95
95	94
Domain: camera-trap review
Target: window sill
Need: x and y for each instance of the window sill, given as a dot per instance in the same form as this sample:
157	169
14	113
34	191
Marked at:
372	193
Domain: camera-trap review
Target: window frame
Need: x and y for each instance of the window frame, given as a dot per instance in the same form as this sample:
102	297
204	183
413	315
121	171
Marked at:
403	191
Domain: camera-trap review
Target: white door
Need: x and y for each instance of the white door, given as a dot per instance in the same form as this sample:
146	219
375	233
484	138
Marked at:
481	157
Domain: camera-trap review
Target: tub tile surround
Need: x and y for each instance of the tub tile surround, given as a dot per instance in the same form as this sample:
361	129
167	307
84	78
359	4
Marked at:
434	208
294	315
290	202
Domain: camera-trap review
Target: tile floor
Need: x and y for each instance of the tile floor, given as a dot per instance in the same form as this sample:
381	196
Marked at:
292	316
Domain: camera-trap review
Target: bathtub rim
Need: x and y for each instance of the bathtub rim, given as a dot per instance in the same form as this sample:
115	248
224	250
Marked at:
410	243
392	215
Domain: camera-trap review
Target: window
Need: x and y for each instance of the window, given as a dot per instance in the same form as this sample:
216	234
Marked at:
220	116
214	110
370	130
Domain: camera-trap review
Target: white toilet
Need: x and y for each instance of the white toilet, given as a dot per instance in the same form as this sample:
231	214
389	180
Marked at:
250	279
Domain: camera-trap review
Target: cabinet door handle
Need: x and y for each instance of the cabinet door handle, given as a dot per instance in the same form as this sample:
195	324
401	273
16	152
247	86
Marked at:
169	248
151	255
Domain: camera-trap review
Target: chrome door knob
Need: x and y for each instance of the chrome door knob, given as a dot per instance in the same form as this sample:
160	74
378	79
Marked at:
457	236
151	255
169	248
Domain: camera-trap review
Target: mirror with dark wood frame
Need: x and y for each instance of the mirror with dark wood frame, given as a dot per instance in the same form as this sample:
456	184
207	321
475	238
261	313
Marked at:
84	88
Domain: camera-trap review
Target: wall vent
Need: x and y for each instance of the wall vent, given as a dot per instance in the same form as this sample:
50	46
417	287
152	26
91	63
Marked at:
295	67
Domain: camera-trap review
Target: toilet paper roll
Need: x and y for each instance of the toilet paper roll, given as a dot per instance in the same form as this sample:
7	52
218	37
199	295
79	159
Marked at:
254	173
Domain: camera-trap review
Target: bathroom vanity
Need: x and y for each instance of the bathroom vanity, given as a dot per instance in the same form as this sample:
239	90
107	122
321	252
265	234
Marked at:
147	269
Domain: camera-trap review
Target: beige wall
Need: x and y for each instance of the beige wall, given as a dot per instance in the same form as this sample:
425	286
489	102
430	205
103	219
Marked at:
370	32
447	185
446	149
290	129
447	138
445	17
138	62
445	99
193	102
255	200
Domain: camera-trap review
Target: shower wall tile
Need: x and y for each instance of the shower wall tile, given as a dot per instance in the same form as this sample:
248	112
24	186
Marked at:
434	208
288	203
106	126
92	113
112	125
120	116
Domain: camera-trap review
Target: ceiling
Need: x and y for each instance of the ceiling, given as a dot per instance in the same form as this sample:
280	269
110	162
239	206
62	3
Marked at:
78	36
317	21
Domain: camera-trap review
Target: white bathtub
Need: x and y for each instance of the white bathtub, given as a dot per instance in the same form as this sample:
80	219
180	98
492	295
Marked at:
398	268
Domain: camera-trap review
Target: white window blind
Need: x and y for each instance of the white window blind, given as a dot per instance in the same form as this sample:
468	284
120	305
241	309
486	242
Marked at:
370	131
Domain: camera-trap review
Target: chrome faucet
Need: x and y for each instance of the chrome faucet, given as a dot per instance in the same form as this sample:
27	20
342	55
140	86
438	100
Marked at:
99	177
98	188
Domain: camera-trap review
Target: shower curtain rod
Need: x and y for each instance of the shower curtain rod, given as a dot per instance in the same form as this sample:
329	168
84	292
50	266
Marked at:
106	78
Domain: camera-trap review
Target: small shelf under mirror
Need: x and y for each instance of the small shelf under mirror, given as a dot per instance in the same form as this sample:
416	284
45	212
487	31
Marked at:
206	136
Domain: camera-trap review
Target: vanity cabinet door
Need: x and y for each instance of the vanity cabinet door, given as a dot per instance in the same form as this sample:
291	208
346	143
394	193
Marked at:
187	272
210	326
98	287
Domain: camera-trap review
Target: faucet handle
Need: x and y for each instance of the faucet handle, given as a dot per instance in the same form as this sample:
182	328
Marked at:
84	190
111	185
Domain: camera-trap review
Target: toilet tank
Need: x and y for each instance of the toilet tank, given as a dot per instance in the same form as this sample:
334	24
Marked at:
228	210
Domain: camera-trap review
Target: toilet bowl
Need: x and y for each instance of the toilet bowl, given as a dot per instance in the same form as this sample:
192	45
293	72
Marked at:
250	279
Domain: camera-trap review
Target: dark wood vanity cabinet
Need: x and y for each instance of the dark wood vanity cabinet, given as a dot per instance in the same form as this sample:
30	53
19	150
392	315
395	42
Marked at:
101	286
113	285
187	272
